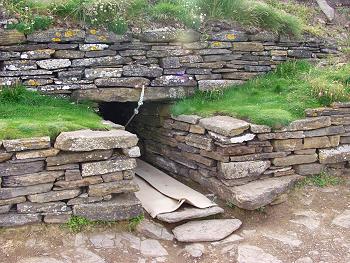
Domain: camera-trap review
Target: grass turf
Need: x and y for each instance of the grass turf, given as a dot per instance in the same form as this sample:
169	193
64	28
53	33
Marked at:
274	99
26	113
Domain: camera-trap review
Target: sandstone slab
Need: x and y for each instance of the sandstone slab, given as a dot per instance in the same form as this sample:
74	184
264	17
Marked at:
295	159
87	140
253	254
142	71
9	193
54	63
309	124
31	179
78	157
50	207
37	154
19	219
26	144
236	170
224	125
54	196
116	187
109	166
335	155
206	230
57	35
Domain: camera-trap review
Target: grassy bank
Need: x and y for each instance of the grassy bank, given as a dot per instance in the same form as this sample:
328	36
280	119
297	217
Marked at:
277	98
25	113
116	15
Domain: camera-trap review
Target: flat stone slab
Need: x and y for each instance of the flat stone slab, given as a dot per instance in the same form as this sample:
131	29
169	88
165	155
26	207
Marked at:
88	140
342	220
309	219
154	230
289	239
224	125
206	230
189	213
261	192
152	248
252	254
13	219
26	144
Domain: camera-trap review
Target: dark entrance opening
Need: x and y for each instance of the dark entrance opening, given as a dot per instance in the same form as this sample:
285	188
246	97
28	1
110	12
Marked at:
117	112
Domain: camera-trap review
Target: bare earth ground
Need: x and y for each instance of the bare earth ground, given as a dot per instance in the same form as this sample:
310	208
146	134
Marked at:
301	227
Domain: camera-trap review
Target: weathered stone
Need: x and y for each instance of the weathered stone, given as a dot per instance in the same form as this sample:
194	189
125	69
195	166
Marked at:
9	193
25	73
71	75
170	62
10	169
110	166
93	47
59	185
154	230
152	248
31	179
299	53
69	54
174	81
87	140
116	187
5	209
37	54
190	59
197	129
308	169
54	63
169	35
14	65
252	254
195	250
54	196
335	155
248	46
27	144
103	36
12	201
12	219
132	152
50	207
5	156
199	141
224	125
230	36
287	145
142	71
306	151
295	159
73	166
132	82
235	170
321	142
212	51
97	62
189	213
309	124
72	175
11	37
38	82
57	35
9	55
112	177
342	220
94	73
259	128
261	192
78	157
281	135
192	119
206	230
232	140
37	154
121	207
57	219
332	130
207	85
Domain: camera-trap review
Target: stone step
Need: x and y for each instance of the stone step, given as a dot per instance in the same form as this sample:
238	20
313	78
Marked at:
188	213
262	192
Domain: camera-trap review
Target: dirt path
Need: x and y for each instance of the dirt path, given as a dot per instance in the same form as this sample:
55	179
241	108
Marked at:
299	230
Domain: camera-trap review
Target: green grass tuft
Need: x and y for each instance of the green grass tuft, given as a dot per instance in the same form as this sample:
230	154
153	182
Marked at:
274	99
321	180
25	113
133	222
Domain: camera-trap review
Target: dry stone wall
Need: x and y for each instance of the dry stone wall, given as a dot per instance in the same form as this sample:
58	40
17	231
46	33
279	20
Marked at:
102	66
249	165
85	173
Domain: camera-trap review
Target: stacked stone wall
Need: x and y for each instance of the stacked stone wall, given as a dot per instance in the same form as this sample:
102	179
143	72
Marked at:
102	66
84	173
223	153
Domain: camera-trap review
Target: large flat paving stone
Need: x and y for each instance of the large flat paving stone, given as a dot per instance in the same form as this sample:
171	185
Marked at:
189	213
261	192
206	230
252	254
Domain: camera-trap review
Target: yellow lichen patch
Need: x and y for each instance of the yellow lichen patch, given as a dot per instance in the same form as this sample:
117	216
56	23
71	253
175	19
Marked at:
93	48
102	38
230	36
93	31
216	44
56	39
69	33
58	34
33	82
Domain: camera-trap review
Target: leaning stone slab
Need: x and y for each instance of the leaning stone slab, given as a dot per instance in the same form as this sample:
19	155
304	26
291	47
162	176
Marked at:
26	144
189	213
116	187
19	219
121	207
109	166
50	207
88	140
261	192
335	155
309	124
31	179
8	193
224	125
78	157
57	35
10	169
235	170
206	230
54	196
154	230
